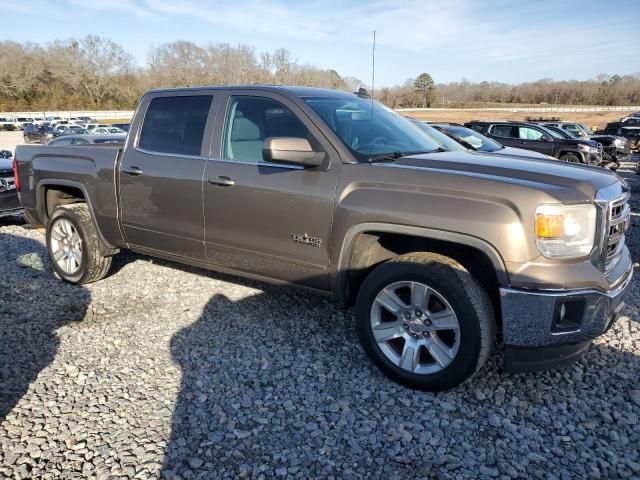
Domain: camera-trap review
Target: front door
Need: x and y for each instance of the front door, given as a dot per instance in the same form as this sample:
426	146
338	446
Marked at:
161	175
263	218
534	139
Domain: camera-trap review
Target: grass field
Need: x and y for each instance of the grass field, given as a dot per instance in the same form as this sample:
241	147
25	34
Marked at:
591	119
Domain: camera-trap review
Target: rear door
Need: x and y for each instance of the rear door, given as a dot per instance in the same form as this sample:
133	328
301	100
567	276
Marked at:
507	135
161	174
264	218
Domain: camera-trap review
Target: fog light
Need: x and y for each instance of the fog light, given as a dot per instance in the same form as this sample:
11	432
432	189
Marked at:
568	316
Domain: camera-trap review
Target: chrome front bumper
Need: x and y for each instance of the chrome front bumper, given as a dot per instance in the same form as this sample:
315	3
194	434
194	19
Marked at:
542	329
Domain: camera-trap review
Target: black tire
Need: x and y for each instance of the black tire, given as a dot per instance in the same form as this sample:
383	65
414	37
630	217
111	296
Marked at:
570	157
469	301
92	266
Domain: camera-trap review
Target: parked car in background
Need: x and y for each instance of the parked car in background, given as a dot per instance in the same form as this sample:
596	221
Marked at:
612	144
88	139
7	123
442	252
9	201
443	140
107	130
481	143
537	138
86	119
122	126
39	134
70	129
21	122
631	133
609	156
630	121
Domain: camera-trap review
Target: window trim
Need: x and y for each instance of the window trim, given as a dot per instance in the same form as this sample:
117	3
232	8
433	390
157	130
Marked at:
208	123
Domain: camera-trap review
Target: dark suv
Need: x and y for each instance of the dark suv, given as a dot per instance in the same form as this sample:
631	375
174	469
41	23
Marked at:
626	130
540	139
613	144
39	134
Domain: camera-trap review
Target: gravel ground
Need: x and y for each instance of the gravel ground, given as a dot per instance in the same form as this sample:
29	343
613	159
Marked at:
165	371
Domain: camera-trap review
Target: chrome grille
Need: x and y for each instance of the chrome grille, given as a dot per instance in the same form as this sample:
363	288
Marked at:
618	219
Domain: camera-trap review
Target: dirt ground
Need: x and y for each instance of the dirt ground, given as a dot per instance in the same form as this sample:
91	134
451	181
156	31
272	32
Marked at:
591	119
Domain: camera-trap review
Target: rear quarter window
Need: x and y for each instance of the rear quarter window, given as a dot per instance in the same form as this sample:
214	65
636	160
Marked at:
175	124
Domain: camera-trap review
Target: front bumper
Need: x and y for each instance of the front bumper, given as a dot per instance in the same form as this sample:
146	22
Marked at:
544	329
9	204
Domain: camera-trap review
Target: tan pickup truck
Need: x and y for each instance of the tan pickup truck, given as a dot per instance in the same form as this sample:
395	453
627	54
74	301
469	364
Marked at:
440	251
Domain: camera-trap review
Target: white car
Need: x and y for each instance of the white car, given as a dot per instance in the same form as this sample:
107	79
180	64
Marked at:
106	130
21	122
7	123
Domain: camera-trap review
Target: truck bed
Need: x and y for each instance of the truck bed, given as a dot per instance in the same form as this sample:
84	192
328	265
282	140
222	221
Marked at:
88	168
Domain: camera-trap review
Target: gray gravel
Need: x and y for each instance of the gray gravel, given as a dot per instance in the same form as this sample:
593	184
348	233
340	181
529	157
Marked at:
164	371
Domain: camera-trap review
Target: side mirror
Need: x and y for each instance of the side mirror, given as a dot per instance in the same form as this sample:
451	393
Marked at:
5	154
546	138
292	151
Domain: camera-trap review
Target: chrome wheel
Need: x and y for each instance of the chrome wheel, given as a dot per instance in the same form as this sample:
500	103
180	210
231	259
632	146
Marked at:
66	246
415	327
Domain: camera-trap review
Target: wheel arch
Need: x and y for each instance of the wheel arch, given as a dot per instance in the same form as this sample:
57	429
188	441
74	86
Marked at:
67	191
368	244
577	153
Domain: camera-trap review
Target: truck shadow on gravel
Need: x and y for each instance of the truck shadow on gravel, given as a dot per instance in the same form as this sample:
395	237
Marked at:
33	305
276	385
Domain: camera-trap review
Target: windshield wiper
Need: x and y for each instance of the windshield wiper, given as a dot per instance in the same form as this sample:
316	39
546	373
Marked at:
390	157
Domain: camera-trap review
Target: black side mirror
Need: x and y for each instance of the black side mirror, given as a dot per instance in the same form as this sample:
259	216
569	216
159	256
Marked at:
292	151
5	154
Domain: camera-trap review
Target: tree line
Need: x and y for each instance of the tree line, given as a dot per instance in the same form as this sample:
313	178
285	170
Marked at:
96	73
423	92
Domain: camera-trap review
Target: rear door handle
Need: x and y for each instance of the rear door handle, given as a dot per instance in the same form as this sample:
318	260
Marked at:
222	181
134	171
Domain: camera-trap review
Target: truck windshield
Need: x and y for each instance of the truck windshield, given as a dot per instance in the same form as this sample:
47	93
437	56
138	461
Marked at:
369	129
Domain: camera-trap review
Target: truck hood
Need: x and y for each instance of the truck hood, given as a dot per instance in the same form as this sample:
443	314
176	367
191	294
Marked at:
518	152
569	183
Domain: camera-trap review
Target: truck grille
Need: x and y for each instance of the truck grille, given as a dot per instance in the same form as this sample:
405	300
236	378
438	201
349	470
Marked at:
9	201
618	219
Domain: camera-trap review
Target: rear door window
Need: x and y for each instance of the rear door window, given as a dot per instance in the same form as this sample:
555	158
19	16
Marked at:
506	131
175	125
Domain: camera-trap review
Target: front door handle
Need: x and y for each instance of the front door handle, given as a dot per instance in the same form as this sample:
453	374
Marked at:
134	171
222	181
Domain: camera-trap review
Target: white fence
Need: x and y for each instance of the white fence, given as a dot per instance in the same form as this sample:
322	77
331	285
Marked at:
127	114
98	115
541	109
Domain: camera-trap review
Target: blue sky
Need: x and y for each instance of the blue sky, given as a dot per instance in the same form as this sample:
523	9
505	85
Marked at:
501	40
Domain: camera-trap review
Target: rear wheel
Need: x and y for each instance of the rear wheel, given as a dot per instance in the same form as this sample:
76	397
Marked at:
74	245
570	157
424	321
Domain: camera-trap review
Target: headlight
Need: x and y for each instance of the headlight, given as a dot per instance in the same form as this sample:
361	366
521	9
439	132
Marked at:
620	141
565	231
588	148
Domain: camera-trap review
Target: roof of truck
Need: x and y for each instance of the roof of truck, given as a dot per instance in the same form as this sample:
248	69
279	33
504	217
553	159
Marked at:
299	91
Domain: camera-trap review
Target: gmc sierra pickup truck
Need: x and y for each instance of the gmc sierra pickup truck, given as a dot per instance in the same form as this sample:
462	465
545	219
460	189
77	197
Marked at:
441	252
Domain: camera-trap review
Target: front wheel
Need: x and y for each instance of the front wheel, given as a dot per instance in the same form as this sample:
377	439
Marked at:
424	321
570	157
74	245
